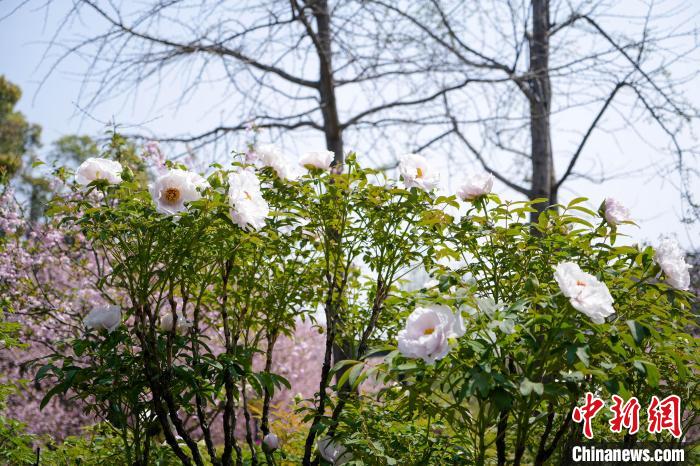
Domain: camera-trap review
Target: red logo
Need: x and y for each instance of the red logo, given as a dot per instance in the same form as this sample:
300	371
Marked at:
587	412
625	415
662	414
665	415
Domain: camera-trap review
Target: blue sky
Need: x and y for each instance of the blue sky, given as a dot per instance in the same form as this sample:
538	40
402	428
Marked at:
24	37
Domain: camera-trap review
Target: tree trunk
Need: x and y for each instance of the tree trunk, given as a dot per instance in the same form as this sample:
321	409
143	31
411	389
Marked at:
540	107
331	123
329	107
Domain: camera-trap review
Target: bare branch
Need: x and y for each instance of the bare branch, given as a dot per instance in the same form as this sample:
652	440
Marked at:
593	125
195	46
403	103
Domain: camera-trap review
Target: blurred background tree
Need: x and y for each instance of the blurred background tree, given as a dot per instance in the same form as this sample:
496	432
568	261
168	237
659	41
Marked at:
20	140
18	137
72	149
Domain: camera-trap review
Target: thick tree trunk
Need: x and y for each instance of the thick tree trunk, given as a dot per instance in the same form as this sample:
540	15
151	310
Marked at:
540	107
329	107
331	122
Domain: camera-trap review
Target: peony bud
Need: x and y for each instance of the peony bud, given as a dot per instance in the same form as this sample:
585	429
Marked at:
333	452
271	442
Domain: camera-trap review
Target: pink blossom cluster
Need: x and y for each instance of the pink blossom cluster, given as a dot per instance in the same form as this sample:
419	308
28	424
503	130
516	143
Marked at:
10	215
47	280
298	359
48	276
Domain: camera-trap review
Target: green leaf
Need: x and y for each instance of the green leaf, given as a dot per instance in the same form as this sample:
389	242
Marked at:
378	349
266	382
569	220
407	366
281	381
584	210
482	381
577	200
681	368
43	370
346	375
579	352
79	347
532	283
50	394
639	331
502	399
355	377
343	363
650	370
575	376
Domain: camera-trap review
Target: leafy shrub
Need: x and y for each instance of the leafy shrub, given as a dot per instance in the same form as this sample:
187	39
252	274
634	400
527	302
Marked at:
486	362
528	355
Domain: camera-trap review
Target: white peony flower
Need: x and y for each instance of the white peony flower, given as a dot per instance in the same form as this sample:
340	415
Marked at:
248	208
271	442
271	156
96	168
417	173
427	332
615	213
320	159
671	259
333	452
171	190
166	323
104	318
585	292
475	185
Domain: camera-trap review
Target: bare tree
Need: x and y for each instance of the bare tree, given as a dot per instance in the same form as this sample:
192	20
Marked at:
536	60
523	87
284	64
482	78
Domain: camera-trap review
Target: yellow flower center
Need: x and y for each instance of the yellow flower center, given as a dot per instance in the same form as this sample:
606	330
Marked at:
419	172
428	331
171	195
248	196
